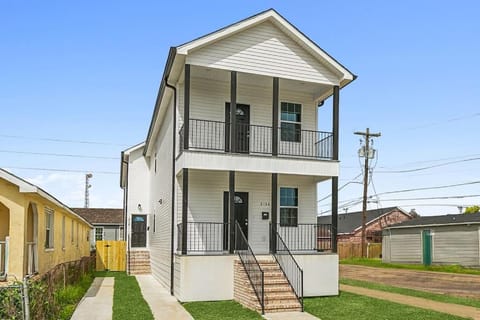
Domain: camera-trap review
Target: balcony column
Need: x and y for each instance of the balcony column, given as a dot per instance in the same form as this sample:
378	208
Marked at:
336	102
233	111
275	116
274	207
184	211
231	211
186	108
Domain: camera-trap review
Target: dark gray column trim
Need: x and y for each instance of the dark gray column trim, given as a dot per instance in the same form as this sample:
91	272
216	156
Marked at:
186	108
336	121
185	211
274	207
231	211
233	111
275	128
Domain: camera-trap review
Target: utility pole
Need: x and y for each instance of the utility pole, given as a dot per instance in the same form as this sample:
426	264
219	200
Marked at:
88	176
367	153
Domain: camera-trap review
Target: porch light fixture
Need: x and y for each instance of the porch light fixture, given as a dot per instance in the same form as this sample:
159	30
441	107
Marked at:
139	207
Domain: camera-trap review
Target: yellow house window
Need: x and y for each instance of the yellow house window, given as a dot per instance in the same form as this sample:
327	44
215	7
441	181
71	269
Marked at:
49	224
71	234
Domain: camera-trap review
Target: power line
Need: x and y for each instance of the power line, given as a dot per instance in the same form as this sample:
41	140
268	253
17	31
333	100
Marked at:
59	154
444	121
430	188
436	198
433	160
59	170
63	140
429	167
343	186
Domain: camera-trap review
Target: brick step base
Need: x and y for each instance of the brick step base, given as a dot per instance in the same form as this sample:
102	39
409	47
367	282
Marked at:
278	295
139	262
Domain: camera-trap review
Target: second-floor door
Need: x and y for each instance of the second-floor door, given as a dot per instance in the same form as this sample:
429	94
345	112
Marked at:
242	128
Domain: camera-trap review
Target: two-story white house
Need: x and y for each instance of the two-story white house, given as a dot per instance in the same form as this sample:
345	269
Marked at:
222	196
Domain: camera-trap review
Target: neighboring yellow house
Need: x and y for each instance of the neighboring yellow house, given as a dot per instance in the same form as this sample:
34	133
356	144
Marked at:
37	232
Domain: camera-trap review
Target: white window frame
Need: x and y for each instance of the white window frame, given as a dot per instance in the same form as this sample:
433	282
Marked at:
73	232
288	207
103	233
78	226
49	228
291	122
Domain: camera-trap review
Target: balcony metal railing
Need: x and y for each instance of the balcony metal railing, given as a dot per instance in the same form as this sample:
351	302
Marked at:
307	236
289	266
204	237
256	139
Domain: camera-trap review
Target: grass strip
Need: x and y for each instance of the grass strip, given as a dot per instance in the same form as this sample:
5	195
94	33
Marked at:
437	268
413	293
128	302
70	296
213	310
349	306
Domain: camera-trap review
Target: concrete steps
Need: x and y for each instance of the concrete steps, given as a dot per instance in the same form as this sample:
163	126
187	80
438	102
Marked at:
139	262
279	296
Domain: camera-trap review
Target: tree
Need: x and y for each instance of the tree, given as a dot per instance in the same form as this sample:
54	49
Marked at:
472	209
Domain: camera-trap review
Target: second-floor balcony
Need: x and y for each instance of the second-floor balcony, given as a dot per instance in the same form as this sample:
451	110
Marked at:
216	136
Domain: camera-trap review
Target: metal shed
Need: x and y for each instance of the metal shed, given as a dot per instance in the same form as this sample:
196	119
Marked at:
448	239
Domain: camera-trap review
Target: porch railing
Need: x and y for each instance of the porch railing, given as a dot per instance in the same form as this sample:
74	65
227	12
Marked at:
307	236
289	266
204	237
252	267
31	257
4	258
257	139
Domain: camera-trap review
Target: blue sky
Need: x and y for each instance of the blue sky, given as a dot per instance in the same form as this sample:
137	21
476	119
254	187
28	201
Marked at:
89	71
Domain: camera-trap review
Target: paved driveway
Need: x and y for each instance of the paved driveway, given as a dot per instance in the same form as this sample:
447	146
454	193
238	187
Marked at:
438	282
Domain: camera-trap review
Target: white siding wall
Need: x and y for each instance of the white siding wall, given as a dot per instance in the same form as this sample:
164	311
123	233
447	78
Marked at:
138	183
265	50
160	189
206	190
207	102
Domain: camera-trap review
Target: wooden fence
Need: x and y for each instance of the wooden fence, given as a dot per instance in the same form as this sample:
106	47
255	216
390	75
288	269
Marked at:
347	250
111	255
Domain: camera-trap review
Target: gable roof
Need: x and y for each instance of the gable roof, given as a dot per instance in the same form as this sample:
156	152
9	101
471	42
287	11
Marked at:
176	58
103	216
27	187
449	219
349	222
273	16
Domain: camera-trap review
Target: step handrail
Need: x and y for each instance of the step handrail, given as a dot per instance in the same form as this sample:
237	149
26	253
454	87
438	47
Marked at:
250	263
289	267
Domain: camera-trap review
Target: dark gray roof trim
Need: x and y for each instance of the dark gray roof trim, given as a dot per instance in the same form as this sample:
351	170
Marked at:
449	219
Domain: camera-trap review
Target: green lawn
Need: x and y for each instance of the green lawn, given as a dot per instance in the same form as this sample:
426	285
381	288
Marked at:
415	293
68	297
214	310
128	302
438	268
349	306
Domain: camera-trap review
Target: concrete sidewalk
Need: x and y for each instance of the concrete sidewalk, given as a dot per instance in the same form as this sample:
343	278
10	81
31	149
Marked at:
97	303
163	305
290	316
450	308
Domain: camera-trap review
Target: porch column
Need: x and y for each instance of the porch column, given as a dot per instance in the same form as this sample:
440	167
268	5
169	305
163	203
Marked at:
186	108
273	239
275	116
336	102
233	111
184	211
231	211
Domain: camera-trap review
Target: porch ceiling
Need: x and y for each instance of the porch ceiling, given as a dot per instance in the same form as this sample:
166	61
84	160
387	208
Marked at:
317	91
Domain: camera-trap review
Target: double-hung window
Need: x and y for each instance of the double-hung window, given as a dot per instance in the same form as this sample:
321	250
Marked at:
98	233
49	224
291	122
288	207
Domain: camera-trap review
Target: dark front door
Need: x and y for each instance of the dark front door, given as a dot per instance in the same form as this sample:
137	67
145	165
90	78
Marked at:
242	128
139	231
241	210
